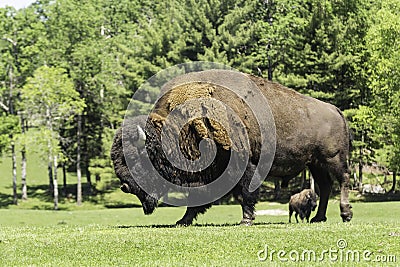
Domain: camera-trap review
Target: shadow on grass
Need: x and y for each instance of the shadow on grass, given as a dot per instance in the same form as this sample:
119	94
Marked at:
5	200
196	225
42	197
121	205
38	192
380	197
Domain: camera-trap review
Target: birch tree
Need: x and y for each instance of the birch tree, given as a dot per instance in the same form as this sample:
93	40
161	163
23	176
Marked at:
50	100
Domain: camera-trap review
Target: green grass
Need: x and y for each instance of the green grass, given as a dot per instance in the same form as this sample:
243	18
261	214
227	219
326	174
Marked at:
100	234
126	237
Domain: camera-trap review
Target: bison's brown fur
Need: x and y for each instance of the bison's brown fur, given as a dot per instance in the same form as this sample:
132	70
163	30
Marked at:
309	133
302	204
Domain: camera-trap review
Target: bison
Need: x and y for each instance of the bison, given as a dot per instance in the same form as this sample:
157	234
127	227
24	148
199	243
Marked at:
302	204
309	133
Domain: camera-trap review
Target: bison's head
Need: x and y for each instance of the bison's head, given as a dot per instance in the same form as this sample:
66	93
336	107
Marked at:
149	203
311	198
134	150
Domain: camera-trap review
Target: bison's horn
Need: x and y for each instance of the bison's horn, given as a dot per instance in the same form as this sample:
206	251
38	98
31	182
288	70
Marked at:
125	188
141	136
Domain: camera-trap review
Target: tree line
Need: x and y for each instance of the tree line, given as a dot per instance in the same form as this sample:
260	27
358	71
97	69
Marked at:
68	69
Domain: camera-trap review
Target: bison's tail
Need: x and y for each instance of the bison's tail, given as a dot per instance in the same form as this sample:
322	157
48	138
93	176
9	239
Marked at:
349	134
346	129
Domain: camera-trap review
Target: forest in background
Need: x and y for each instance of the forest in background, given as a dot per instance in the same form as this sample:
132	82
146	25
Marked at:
69	68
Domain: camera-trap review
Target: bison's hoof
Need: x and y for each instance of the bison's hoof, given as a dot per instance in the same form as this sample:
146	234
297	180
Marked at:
246	222
346	216
317	219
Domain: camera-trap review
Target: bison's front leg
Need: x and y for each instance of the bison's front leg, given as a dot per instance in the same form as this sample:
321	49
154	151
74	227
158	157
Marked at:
248	201
191	214
248	215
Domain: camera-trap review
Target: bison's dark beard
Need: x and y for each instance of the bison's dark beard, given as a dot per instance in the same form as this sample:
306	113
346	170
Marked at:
149	204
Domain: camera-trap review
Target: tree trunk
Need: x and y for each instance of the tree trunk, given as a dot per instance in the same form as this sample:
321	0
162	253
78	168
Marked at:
23	174
78	162
64	171
11	111
355	179
55	165
14	173
360	175
86	156
50	173
360	165
50	151
303	179
269	7
88	176
393	189
23	164
312	183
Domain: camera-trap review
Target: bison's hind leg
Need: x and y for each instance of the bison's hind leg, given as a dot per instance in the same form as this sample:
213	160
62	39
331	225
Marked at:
338	167
345	208
324	182
290	214
302	215
295	215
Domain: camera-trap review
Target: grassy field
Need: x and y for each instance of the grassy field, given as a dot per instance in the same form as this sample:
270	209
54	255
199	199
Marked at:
103	232
126	237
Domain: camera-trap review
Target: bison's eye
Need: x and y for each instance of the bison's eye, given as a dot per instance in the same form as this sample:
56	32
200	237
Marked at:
125	188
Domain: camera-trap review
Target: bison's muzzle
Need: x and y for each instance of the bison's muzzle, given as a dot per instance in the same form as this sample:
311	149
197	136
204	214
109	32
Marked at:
149	204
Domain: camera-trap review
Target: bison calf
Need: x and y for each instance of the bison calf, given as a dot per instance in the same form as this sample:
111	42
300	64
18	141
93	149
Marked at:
302	203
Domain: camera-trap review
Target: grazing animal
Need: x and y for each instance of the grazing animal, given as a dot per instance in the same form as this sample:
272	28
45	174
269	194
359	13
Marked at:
302	204
309	133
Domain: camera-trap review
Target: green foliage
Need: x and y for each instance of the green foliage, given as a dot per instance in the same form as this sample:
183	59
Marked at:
315	46
50	94
101	166
363	123
384	39
9	126
380	120
50	100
